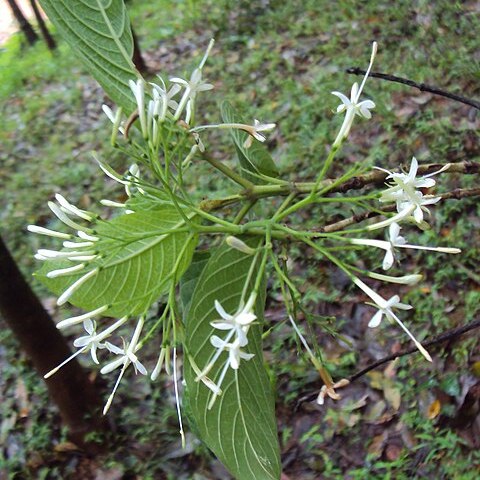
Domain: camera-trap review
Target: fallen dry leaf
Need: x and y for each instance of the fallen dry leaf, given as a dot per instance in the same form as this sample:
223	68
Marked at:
66	447
434	409
392	452
476	369
376	447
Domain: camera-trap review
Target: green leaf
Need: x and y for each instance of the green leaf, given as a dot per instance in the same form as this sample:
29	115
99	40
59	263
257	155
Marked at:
139	256
240	428
99	32
254	160
190	278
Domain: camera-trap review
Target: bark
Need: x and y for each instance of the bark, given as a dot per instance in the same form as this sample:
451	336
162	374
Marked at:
25	26
137	57
70	388
49	40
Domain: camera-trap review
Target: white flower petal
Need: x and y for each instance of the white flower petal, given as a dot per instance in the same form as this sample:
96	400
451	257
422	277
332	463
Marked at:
376	319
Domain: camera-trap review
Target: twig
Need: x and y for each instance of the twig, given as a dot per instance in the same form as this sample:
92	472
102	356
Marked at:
443	337
456	194
376	177
421	86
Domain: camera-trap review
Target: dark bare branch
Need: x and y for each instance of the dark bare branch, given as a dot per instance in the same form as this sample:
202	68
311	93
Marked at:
423	87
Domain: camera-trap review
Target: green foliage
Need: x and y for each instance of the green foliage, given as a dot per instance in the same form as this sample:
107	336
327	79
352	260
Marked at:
99	32
240	427
147	250
279	54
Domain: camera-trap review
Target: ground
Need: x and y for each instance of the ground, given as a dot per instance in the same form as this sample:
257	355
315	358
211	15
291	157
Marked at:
278	61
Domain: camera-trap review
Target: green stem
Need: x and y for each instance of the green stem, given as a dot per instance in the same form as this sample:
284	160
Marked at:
229	173
325	168
243	211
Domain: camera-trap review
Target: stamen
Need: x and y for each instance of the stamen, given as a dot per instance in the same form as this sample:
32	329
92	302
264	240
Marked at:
71	357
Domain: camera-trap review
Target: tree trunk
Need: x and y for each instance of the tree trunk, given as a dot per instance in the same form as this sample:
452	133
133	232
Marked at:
49	40
70	388
137	57
25	26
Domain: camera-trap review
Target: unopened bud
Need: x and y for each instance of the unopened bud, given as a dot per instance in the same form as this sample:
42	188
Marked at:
238	244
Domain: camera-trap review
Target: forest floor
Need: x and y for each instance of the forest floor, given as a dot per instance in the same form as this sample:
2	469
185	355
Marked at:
278	61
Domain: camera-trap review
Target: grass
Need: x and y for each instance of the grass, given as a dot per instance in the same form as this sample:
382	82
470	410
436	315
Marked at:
278	61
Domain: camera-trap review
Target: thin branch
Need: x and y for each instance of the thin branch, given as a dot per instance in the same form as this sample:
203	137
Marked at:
443	337
421	86
456	194
375	177
378	176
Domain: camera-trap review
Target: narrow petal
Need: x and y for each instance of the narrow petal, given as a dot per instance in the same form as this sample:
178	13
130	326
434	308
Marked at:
140	367
388	260
222	325
221	311
217	342
345	100
376	319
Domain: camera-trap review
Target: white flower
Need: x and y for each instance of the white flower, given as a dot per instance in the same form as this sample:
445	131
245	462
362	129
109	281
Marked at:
192	87
239	322
235	353
237	326
132	179
138	90
385	308
239	245
352	106
68	322
91	341
48	232
63	298
404	190
163	99
127	357
115	118
397	241
253	130
412	279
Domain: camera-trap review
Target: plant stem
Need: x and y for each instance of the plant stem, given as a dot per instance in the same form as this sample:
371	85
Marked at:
229	173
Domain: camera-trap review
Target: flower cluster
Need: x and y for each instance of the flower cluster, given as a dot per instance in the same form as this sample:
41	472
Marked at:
409	201
236	326
404	190
79	250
